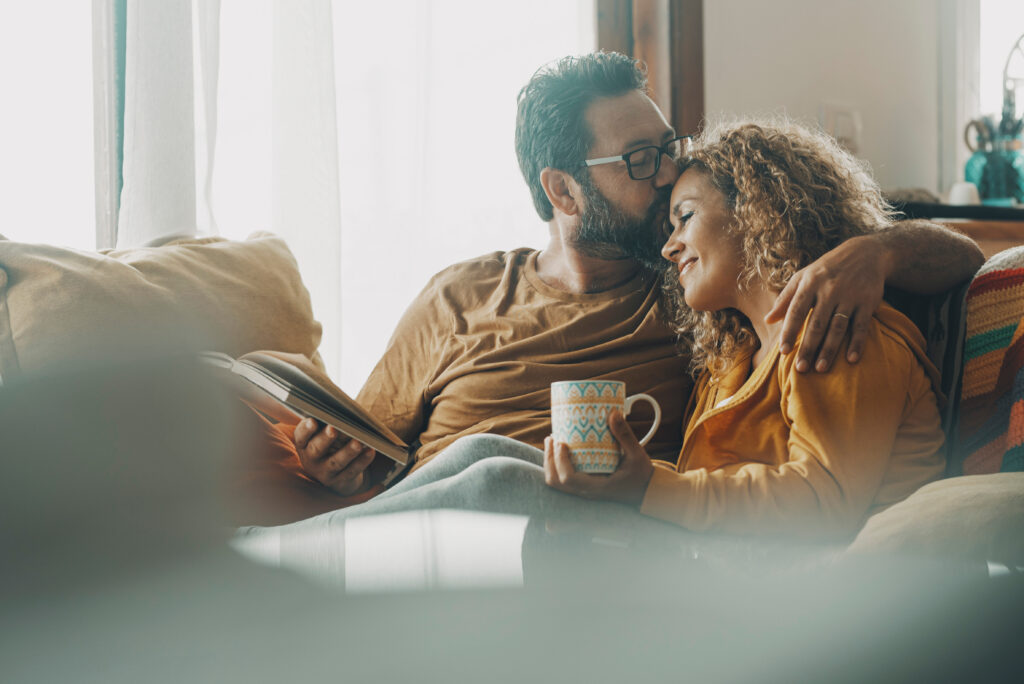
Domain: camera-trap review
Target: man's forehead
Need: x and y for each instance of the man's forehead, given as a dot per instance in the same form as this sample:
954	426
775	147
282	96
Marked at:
624	121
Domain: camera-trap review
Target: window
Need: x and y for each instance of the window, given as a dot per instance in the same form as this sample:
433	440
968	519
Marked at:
46	167
426	100
1001	24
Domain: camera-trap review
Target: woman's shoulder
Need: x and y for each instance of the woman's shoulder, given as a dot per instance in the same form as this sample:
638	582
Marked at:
892	340
894	329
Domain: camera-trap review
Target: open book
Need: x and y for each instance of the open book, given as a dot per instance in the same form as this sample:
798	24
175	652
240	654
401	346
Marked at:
288	387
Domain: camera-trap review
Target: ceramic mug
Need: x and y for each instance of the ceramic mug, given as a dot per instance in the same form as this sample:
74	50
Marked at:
963	194
579	418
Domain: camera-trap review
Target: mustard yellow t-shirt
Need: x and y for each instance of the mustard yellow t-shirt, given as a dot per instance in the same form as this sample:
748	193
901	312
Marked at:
478	349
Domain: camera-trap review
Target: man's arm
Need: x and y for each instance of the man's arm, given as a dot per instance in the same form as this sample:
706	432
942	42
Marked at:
927	258
845	286
394	394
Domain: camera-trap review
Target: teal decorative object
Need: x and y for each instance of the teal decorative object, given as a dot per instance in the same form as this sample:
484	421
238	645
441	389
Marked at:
996	165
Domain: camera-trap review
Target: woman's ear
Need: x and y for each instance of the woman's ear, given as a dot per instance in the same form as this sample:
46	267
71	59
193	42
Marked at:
562	190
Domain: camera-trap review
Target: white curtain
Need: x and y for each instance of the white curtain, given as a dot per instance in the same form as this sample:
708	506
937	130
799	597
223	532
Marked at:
304	157
415	97
47	180
159	197
173	84
426	109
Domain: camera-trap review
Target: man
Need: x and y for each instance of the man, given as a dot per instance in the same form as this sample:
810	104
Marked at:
477	350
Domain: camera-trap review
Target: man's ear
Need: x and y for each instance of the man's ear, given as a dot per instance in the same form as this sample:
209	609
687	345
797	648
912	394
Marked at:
562	190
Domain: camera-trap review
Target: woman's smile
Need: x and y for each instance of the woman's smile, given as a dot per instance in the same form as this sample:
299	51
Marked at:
685	266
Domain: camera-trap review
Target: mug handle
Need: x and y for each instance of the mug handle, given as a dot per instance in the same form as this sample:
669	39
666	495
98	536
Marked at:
657	413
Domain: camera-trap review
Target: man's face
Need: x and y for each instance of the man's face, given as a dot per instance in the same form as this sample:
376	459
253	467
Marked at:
622	217
606	231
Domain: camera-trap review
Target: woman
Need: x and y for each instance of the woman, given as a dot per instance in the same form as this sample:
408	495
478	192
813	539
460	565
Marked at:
767	449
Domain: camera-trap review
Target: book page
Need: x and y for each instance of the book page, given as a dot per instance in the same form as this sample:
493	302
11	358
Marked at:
300	372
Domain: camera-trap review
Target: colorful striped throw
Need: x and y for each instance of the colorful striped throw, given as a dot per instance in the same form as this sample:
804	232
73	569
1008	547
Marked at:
991	426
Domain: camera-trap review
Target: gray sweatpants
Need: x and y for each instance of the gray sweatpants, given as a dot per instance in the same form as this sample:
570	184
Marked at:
481	473
485	473
496	474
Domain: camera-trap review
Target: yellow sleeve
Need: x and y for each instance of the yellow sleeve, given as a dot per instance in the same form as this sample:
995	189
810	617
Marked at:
842	428
664	465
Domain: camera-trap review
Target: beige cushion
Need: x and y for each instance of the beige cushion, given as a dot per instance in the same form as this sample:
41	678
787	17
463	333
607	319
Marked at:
66	307
975	517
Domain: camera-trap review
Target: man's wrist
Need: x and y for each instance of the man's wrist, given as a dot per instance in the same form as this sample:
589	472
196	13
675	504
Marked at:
887	252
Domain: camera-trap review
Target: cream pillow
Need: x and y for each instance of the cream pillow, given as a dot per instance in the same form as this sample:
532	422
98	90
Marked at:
975	517
67	307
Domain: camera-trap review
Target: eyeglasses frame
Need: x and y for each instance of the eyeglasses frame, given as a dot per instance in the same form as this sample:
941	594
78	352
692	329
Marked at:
685	140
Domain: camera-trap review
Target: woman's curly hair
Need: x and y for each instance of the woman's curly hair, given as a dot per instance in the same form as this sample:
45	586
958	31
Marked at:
794	195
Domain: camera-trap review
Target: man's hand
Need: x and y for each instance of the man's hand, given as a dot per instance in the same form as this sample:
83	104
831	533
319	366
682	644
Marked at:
844	287
626	485
331	458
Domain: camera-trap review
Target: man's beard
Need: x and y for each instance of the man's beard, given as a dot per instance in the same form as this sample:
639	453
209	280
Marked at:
607	232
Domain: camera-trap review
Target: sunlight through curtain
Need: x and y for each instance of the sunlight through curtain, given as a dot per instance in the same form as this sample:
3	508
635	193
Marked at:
377	139
167	74
46	141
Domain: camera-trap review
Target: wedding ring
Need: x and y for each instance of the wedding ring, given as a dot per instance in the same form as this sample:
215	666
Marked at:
837	315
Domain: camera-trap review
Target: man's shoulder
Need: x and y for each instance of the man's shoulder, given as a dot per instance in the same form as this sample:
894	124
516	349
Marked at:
469	282
484	267
466	285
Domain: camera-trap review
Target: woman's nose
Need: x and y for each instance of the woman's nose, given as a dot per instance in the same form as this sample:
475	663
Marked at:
673	247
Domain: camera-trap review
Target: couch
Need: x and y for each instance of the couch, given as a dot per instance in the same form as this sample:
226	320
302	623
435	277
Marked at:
65	309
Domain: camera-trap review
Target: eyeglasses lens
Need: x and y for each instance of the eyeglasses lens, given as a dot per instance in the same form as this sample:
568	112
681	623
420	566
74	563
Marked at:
643	163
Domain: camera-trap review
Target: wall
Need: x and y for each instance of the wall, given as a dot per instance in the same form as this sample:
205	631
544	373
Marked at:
877	56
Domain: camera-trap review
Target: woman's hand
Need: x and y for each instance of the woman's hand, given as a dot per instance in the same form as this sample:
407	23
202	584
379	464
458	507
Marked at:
626	485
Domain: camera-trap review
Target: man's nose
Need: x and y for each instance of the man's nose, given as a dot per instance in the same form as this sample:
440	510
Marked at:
667	173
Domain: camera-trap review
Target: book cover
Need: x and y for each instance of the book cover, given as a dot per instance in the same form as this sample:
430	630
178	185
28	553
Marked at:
288	388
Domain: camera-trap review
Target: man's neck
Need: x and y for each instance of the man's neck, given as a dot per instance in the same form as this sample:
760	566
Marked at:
565	268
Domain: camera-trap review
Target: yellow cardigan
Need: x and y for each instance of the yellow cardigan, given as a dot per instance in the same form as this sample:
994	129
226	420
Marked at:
809	454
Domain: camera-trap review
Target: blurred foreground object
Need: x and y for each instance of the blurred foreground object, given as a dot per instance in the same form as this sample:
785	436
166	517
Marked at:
115	570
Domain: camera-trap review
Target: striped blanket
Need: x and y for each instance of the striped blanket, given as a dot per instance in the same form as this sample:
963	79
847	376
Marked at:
991	425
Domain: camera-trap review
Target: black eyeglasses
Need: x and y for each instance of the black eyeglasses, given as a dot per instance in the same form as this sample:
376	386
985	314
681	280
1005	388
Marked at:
644	162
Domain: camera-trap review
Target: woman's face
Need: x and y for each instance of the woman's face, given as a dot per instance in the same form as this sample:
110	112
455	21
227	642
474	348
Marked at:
707	255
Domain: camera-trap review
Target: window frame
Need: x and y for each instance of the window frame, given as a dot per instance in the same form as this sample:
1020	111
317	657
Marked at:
668	36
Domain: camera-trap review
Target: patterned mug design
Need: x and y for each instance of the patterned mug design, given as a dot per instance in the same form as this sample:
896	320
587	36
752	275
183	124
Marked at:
579	417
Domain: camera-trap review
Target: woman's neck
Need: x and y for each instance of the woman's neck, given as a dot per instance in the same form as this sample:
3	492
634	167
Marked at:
755	304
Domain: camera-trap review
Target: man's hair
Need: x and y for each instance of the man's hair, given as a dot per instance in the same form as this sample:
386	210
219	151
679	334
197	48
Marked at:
794	195
551	130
